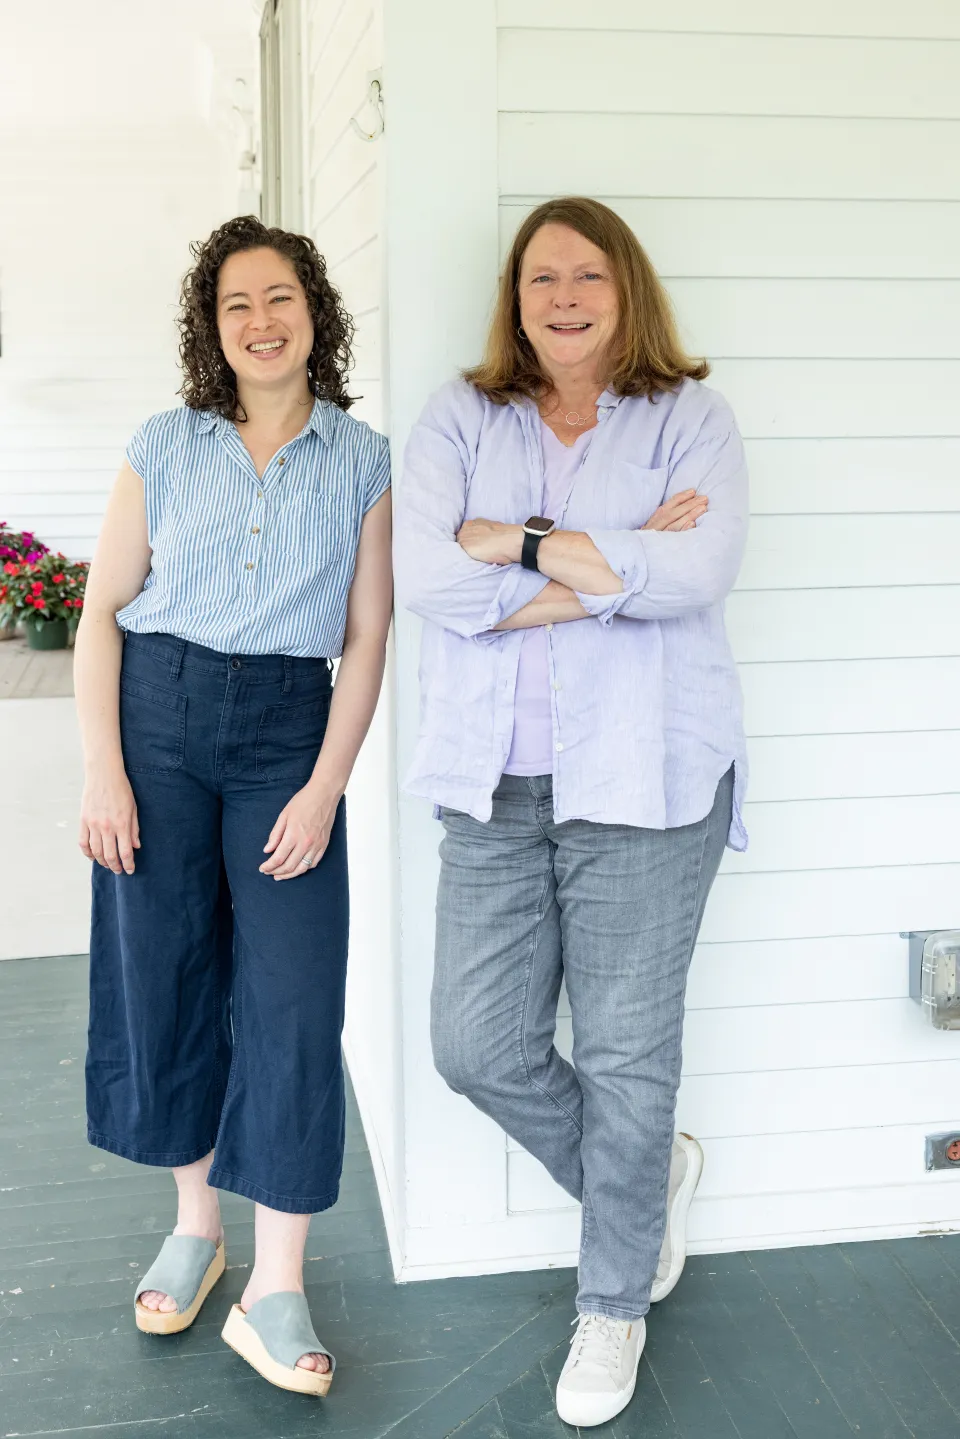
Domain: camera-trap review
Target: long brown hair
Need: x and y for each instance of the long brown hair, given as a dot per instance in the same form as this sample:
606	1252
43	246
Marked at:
645	356
209	382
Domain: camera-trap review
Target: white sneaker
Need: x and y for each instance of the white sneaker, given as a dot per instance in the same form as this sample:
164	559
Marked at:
600	1374
686	1167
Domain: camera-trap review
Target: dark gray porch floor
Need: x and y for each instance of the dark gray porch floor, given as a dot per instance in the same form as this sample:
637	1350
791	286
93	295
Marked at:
789	1344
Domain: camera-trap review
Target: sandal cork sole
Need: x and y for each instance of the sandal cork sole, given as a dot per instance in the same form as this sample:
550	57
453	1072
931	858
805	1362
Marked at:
154	1321
246	1342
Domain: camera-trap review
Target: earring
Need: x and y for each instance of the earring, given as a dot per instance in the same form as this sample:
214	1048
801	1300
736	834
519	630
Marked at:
522	333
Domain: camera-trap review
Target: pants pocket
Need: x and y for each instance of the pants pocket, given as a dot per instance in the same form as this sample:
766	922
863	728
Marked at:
152	726
289	737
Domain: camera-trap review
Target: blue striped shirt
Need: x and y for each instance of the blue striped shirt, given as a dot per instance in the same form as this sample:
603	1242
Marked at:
644	695
247	564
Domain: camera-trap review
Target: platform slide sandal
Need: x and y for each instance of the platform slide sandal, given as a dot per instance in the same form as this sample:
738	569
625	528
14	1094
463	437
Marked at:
272	1335
186	1268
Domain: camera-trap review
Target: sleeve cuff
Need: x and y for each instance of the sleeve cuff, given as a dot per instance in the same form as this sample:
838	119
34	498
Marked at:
624	553
517	588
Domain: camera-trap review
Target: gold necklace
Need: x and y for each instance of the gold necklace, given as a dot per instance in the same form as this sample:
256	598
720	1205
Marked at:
572	417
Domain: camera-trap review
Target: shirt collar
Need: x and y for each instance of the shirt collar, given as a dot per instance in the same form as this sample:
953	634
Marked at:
320	421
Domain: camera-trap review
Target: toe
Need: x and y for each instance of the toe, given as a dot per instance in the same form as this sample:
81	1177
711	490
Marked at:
149	1299
317	1362
167	1305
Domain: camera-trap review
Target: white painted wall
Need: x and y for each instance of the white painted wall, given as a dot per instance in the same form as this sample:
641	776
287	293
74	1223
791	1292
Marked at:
118	146
792	174
344	214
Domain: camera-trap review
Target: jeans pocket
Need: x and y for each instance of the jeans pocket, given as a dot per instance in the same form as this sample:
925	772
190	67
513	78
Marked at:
152	727
289	737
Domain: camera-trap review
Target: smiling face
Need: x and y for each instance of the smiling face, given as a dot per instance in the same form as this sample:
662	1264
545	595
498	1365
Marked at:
569	306
266	330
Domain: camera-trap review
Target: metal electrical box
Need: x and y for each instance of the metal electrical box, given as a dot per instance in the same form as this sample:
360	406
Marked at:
934	973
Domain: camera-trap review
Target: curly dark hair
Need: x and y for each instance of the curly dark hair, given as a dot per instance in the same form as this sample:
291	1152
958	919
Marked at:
209	382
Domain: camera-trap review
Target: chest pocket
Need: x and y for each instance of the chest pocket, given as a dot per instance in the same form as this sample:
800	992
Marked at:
630	496
317	521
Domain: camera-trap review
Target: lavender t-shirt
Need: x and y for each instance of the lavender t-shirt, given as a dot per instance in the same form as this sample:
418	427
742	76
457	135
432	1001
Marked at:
531	751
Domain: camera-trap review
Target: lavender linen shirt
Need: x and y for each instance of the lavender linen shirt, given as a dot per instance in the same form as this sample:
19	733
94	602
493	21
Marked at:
646	700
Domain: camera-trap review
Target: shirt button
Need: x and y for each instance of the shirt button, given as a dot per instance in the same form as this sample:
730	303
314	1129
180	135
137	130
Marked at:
548	627
559	747
255	530
282	460
249	565
259	494
557	687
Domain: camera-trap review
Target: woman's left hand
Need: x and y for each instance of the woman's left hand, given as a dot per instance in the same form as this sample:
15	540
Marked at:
491	542
300	836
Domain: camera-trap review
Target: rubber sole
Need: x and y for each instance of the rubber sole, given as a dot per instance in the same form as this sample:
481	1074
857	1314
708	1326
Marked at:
678	1221
246	1342
154	1321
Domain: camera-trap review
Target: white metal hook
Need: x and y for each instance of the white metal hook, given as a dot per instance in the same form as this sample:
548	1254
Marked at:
375	100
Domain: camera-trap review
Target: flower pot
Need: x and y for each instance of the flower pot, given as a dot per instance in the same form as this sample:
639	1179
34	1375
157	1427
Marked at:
46	634
8	628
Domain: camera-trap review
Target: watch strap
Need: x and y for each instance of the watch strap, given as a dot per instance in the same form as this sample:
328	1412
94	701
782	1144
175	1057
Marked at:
528	554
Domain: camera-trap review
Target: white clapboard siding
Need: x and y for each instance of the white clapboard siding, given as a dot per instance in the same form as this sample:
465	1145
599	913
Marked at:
926	19
803	399
767	1039
809	903
819	319
563	153
835	239
858	476
841	624
817	551
864	967
823	971
857	697
865	766
728	74
333	73
773	1164
849	833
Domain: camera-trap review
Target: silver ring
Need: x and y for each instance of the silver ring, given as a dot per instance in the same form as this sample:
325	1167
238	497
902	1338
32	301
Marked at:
306	859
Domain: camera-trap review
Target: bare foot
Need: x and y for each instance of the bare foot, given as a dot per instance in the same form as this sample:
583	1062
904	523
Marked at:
256	1290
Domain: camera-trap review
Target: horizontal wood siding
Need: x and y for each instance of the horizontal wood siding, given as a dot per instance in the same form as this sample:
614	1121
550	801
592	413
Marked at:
792	172
94	241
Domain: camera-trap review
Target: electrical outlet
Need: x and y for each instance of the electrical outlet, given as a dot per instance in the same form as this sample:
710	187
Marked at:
943	1151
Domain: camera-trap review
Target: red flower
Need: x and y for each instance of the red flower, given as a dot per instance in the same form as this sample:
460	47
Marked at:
59	579
10	568
3	592
37	587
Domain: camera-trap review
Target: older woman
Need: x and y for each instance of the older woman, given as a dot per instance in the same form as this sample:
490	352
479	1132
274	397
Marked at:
245	546
572	515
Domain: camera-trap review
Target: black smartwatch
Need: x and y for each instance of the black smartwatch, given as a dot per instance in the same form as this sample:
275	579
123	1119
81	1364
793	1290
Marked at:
536	529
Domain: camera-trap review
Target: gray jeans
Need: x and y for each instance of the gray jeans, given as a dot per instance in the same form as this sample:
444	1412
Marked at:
615	910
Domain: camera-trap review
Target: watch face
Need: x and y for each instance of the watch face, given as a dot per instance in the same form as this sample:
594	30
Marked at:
538	525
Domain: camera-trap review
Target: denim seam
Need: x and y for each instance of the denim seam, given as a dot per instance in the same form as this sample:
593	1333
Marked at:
612	1311
308	1204
523	1015
165	1159
236	999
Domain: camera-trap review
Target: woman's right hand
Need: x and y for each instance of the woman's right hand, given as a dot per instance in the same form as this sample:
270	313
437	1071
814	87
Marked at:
109	830
680	512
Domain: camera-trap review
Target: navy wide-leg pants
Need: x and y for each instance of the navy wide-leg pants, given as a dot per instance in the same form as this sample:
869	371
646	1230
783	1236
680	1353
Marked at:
217	992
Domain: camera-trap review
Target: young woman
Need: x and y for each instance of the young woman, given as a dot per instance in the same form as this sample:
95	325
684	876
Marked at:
246	545
572	515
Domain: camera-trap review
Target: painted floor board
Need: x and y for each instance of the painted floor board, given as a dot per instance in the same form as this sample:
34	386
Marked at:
817	1343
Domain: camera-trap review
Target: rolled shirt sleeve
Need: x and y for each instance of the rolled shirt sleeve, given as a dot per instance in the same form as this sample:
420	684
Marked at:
666	574
435	578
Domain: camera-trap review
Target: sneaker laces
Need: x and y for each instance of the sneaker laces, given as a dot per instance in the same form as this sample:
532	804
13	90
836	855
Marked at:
598	1341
